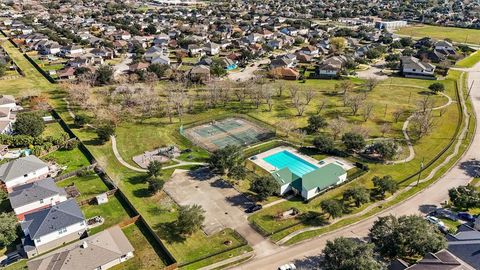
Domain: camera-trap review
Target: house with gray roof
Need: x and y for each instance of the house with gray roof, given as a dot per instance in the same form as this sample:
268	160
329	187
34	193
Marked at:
413	67
465	245
100	251
441	260
52	227
35	196
22	171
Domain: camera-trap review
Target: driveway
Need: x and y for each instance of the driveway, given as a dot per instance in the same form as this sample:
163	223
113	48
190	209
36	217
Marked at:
375	71
122	67
305	252
224	206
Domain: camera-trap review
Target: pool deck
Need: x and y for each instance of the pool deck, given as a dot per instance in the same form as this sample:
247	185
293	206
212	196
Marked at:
318	163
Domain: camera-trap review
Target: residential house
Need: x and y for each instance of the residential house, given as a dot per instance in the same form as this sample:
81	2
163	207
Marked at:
71	51
162	60
465	244
195	50
100	251
34	196
122	35
52	227
254	38
285	73
140	66
152	53
331	67
22	171
200	73
311	183
415	68
441	260
66	73
211	48
310	50
7	116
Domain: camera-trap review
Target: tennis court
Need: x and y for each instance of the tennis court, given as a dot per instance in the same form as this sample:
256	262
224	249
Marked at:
231	131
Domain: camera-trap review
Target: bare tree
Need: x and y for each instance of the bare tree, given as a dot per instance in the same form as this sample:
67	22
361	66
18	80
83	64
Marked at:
360	130
422	123
299	104
309	95
293	91
354	103
344	88
371	83
280	87
397	114
337	126
385	128
322	105
367	111
286	126
268	93
425	104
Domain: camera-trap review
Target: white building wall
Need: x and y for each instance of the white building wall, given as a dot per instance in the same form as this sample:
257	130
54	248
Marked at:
76	228
418	71
36	205
285	188
27	178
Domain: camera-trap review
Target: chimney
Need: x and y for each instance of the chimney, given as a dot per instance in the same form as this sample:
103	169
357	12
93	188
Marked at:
84	245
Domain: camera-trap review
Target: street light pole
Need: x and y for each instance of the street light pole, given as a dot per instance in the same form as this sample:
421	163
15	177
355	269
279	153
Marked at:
420	172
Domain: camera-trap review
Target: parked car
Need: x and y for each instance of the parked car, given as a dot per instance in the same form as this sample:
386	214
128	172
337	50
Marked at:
253	208
288	266
466	216
435	221
445	213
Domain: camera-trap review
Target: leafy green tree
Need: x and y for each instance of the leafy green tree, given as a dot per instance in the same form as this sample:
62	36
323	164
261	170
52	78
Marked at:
237	172
406	41
353	141
332	207
464	197
29	123
316	122
437	87
384	184
104	132
80	120
385	150
225	159
155	184
324	144
265	186
216	68
190	219
3	195
358	194
158	69
8	229
349	254
104	75
151	29
405	237
3	70
154	168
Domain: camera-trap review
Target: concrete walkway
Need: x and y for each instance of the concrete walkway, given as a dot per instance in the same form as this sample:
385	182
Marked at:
219	264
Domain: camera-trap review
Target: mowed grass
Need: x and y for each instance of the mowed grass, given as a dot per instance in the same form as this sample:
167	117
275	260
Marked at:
52	129
461	35
71	159
88	185
469	61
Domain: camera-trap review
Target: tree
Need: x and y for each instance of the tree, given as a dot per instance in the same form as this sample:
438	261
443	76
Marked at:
216	68
265	186
385	128
286	126
371	83
405	237
104	132
29	123
353	141
150	29
384	184
349	254
406	41
337	126
385	150
80	120
367	111
358	194
332	207
316	122
324	144
190	219
338	44
3	195
437	87
355	102
8	229
104	75
155	184
397	114
226	159
464	197
154	168
3	69
158	69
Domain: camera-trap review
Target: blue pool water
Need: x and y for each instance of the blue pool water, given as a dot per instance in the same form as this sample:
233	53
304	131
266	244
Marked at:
295	164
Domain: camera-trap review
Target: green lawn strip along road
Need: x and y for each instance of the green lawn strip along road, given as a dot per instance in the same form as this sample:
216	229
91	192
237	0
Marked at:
460	35
425	150
34	80
470	60
404	195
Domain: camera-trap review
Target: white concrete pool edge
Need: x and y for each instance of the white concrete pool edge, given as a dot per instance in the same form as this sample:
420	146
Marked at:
259	159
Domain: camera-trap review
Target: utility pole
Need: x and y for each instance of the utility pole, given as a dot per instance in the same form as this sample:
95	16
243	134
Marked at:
469	90
420	172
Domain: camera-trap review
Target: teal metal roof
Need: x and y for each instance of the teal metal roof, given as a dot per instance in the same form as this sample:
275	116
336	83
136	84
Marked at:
323	177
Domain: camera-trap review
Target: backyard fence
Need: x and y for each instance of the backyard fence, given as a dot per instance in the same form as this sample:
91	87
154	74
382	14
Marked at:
74	173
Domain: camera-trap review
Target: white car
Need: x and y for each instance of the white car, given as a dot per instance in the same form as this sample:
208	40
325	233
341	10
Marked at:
288	266
435	221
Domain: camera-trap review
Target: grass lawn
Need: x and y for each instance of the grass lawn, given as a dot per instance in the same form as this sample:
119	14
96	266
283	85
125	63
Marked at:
20	265
52	129
469	61
72	159
462	35
113	212
89	185
145	256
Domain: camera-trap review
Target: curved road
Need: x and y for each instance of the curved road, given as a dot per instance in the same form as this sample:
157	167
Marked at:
435	194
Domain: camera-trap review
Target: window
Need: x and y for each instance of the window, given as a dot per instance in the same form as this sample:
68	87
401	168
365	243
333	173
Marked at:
38	240
41	201
62	231
25	175
414	70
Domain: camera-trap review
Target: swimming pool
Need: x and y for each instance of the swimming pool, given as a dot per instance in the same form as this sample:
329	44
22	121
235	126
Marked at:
295	164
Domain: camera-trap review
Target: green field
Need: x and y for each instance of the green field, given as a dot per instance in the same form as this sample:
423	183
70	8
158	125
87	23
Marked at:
88	185
460	35
469	61
71	159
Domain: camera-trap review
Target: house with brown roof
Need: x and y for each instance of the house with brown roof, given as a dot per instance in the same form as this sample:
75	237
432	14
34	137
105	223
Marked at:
285	73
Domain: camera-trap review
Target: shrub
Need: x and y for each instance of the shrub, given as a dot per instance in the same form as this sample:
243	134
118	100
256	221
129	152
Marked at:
29	123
